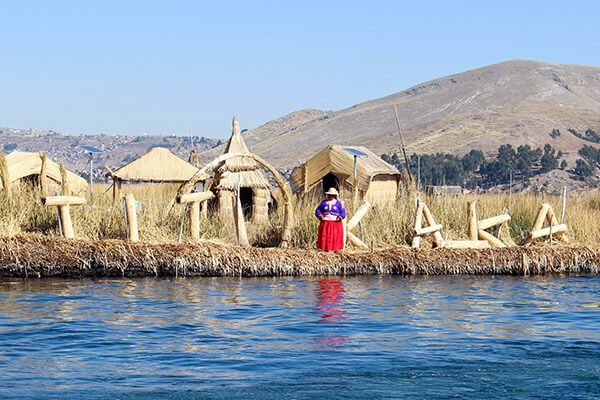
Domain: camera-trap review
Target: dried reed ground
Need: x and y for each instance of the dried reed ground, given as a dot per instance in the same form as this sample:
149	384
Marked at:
42	256
385	229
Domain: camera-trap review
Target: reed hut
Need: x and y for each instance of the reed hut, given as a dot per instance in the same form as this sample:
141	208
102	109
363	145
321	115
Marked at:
348	168
245	174
39	170
159	165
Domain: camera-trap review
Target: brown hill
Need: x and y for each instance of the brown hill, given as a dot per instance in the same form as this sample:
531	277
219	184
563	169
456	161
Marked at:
517	102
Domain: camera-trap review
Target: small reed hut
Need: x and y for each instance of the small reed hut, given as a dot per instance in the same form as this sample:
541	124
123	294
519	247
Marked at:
336	166
159	165
243	173
39	170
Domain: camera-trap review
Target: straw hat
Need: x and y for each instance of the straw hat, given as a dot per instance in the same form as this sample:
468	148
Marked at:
333	192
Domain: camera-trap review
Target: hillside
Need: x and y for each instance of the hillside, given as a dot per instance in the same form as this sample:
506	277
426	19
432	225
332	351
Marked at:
517	102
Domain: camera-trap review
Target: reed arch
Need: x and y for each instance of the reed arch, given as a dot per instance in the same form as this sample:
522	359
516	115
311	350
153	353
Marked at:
288	220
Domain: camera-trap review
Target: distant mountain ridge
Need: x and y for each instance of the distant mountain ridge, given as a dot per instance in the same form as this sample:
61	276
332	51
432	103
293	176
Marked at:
117	150
517	102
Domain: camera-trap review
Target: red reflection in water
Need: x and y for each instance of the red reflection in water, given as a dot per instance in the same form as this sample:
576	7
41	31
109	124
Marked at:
330	296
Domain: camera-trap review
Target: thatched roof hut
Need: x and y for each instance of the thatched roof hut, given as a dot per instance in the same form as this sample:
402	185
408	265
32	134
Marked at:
245	173
157	165
20	165
376	181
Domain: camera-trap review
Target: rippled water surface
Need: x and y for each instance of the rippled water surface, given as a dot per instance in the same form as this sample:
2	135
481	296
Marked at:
359	337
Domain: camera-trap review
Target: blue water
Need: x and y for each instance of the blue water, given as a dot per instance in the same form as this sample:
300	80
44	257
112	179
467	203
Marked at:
358	337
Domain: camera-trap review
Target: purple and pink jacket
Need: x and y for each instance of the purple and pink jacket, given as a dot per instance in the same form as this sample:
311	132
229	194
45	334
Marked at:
337	209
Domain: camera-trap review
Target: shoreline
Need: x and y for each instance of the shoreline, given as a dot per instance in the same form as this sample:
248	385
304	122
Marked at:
36	256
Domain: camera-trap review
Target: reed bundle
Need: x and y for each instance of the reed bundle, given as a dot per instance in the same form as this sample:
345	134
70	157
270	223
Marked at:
42	256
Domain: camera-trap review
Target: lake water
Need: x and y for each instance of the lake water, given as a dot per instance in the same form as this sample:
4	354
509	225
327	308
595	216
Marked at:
356	337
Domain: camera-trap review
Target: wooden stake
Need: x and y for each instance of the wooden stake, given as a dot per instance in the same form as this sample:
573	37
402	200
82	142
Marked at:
416	242
240	223
64	212
428	229
4	175
358	215
356	241
437	235
466	244
131	215
473	220
194	218
194	197
44	173
63	201
555	229
64	182
541	217
488	223
493	240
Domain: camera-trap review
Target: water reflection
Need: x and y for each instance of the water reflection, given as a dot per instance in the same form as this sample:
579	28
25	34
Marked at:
330	297
90	333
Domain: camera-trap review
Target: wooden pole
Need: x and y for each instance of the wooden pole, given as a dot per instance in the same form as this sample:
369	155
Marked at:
406	163
64	183
487	223
428	229
555	229
416	242
44	173
356	241
467	244
131	215
473	234
4	175
194	217
240	223
437	235
63	201
358	216
64	204
64	212
541	217
493	240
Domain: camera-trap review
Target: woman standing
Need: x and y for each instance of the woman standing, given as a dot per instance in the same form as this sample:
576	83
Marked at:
331	212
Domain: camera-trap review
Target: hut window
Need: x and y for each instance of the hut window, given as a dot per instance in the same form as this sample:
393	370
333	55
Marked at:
246	200
330	181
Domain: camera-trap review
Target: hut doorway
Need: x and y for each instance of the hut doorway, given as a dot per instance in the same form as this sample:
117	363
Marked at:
246	195
330	181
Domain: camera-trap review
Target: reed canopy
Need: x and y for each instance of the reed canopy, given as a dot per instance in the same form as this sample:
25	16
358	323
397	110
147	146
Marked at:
20	166
334	166
157	165
245	174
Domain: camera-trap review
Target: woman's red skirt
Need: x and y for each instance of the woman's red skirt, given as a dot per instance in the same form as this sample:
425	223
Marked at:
331	236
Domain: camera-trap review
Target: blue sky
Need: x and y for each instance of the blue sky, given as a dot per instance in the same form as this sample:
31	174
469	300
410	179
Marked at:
179	66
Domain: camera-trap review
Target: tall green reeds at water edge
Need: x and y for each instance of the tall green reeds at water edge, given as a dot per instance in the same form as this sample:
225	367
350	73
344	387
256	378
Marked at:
162	221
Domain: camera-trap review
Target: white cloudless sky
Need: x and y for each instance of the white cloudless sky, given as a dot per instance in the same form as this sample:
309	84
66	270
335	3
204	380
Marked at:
172	67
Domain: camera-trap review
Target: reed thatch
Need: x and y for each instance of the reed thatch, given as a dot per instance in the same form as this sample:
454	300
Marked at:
242	171
21	165
157	165
40	256
376	181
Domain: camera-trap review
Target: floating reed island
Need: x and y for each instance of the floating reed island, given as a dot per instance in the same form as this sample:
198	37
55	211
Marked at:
37	256
175	218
